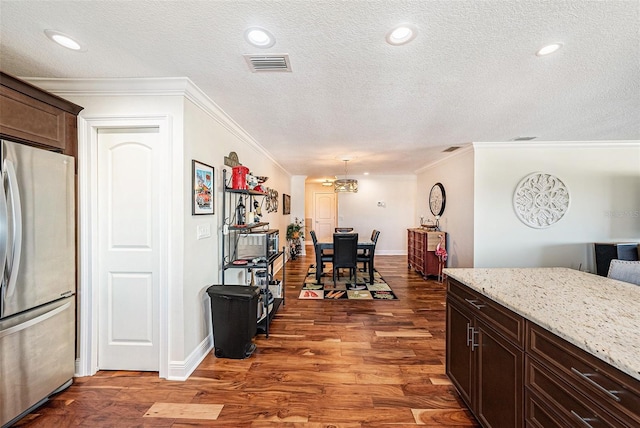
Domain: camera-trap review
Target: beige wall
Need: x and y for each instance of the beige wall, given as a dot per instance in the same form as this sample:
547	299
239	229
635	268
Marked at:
456	175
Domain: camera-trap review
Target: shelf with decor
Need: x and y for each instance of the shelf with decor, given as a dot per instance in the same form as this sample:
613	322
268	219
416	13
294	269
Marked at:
249	244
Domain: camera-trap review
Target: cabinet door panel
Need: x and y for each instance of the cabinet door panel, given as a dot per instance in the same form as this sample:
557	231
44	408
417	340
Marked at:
500	380
459	356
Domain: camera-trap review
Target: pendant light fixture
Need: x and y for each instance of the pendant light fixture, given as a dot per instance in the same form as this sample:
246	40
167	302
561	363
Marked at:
346	185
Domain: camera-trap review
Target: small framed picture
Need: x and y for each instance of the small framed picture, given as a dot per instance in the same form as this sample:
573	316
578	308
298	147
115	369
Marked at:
286	204
202	201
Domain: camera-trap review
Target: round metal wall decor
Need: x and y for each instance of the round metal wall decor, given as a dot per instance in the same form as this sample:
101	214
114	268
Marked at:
540	200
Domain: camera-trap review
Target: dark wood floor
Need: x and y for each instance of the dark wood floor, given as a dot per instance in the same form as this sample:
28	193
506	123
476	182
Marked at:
325	364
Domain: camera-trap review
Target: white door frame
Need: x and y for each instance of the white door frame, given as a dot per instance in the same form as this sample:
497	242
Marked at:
87	364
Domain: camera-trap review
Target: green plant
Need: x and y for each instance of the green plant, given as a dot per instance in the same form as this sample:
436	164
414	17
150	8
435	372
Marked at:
294	230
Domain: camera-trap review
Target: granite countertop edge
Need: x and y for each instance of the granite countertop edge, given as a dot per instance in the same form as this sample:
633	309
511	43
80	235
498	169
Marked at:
597	314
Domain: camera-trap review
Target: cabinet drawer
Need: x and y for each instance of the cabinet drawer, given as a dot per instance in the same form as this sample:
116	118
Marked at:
540	414
614	390
559	396
508	323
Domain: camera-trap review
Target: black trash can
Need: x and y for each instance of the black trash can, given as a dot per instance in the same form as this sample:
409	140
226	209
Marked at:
234	311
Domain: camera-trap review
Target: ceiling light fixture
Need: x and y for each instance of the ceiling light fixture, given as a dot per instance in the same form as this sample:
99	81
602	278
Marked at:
549	49
259	37
327	183
64	40
402	34
345	185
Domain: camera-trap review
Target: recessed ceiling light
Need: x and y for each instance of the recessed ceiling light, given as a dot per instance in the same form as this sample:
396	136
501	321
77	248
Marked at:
549	49
259	37
402	34
64	40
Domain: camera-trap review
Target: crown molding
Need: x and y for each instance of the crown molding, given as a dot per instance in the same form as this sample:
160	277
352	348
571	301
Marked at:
595	144
152	86
446	158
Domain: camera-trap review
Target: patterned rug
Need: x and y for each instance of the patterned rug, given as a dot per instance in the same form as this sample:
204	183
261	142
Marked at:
344	288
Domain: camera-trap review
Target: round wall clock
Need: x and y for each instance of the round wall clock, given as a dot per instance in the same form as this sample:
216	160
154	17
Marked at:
437	199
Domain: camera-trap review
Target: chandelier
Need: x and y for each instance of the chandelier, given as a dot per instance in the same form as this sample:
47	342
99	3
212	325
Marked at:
346	184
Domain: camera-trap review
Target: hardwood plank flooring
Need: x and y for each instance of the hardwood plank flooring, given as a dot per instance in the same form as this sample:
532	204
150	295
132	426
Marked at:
332	363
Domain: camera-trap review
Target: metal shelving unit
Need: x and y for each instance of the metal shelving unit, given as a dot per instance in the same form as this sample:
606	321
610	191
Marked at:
229	251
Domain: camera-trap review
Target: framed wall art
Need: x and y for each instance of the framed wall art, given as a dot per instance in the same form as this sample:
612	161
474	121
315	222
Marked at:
202	186
286	204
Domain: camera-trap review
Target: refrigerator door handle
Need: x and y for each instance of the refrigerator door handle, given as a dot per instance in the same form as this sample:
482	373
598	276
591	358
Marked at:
14	194
4	226
33	321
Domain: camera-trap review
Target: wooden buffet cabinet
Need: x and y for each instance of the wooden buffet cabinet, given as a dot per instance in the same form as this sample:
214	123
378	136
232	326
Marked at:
511	372
421	247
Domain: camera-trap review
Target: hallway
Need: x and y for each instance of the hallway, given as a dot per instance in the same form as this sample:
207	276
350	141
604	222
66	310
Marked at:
325	364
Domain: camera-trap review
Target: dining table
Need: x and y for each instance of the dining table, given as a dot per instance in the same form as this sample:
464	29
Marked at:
367	246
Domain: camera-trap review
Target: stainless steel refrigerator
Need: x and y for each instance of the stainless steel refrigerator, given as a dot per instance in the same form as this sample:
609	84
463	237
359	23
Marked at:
38	283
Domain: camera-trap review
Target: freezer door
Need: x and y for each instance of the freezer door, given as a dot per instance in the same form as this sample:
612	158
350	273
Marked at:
37	356
40	227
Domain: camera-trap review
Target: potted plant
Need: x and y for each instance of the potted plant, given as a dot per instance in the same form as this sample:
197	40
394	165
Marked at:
294	233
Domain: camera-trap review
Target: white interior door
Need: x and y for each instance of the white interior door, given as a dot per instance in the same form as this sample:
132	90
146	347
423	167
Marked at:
128	249
325	215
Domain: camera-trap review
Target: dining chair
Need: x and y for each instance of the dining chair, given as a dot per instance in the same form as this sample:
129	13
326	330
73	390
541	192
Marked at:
363	251
343	229
367	257
345	254
325	256
625	270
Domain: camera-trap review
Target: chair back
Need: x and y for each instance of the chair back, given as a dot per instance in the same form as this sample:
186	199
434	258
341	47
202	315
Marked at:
374	237
345	249
625	270
314	238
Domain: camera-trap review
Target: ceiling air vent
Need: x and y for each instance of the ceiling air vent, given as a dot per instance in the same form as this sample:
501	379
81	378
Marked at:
523	138
272	62
451	149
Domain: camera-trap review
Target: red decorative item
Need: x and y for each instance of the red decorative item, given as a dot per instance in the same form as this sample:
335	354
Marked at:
441	252
239	177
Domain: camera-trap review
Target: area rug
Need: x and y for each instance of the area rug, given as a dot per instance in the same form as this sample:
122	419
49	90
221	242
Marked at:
344	287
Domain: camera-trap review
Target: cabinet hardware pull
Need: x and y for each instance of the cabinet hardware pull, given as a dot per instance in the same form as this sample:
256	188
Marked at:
474	304
586	377
469	333
474	344
585	421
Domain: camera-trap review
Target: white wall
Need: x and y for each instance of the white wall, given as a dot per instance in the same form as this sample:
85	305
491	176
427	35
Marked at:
361	211
603	179
201	131
456	175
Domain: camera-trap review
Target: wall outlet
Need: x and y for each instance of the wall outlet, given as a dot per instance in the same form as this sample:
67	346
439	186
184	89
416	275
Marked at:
203	231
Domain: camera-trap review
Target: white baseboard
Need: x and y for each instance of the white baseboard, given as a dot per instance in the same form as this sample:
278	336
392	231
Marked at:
181	370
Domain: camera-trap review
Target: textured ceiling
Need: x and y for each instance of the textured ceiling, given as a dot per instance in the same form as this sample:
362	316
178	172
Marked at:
471	74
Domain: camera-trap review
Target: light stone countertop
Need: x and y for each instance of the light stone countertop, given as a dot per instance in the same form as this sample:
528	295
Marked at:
597	314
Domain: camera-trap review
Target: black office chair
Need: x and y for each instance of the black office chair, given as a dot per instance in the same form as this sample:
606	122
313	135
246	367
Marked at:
345	254
367	257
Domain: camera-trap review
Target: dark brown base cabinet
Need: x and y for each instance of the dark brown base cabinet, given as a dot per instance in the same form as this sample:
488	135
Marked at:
483	362
513	373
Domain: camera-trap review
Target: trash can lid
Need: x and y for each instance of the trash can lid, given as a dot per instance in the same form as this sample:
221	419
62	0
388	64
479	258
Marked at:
245	292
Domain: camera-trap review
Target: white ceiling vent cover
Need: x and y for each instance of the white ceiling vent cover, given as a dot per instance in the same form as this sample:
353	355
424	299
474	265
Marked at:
271	62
